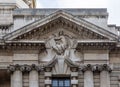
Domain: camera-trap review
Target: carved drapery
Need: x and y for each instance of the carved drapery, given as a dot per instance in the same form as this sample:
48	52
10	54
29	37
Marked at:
61	46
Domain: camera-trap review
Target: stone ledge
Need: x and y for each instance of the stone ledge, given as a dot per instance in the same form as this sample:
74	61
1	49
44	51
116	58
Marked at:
49	74
48	82
74	82
74	74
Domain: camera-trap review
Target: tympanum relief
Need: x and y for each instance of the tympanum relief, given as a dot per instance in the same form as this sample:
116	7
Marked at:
60	50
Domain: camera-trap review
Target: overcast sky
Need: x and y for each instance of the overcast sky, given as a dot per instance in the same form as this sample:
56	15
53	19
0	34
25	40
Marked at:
113	6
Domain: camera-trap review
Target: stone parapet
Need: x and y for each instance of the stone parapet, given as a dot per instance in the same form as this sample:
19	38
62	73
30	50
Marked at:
71	11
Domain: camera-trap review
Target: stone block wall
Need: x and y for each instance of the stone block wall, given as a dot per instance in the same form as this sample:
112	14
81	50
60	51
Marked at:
26	79
114	81
96	79
80	79
41	79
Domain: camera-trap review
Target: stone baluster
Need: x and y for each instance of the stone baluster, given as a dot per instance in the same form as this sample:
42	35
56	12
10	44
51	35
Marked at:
88	76
105	76
33	77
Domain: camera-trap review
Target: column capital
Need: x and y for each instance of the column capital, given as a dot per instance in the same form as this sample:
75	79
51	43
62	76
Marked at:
105	67
13	68
87	67
95	68
25	68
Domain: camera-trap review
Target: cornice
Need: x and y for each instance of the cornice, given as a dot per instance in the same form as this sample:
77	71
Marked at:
58	15
81	44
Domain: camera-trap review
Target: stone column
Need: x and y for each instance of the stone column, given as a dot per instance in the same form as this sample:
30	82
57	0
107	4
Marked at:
33	77
16	76
88	76
105	76
17	79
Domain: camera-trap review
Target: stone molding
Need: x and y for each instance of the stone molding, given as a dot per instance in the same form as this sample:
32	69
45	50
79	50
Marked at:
67	19
48	82
74	82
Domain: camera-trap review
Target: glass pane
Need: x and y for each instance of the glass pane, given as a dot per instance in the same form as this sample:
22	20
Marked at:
67	82
54	83
60	82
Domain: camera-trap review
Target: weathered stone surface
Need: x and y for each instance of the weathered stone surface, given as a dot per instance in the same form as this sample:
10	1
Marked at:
24	57
17	79
62	43
97	56
104	79
33	79
74	82
88	79
48	82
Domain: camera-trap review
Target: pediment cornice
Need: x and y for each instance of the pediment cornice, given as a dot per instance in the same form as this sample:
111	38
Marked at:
62	19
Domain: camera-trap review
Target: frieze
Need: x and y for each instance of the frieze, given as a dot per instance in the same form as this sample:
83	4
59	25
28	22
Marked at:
23	45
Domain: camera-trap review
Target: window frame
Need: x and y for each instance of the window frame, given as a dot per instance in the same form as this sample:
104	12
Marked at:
63	79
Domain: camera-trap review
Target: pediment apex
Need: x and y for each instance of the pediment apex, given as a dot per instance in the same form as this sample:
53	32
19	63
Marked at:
62	16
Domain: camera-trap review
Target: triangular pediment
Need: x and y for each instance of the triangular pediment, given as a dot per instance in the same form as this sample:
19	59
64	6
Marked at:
57	22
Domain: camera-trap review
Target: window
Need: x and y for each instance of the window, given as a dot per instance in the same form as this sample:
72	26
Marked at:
61	82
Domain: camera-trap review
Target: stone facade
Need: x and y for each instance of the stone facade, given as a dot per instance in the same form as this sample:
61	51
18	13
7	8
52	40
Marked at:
37	45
